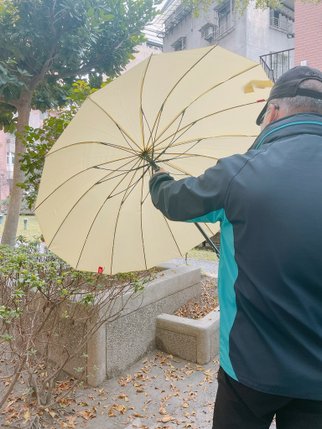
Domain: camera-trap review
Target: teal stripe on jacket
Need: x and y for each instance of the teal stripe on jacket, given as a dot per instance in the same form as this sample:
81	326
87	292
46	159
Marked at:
227	275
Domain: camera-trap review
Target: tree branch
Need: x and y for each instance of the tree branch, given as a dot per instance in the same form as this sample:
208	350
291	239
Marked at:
45	67
13	103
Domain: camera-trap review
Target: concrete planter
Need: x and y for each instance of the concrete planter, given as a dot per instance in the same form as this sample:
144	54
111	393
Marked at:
193	340
118	344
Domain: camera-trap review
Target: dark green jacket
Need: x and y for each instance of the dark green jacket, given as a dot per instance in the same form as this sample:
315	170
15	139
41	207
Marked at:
269	204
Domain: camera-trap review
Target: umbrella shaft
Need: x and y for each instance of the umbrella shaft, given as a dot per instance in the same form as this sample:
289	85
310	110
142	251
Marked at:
209	241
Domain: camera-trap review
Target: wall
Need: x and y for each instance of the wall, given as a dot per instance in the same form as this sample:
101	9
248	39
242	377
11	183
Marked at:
251	35
142	52
4	185
308	34
262	39
7	146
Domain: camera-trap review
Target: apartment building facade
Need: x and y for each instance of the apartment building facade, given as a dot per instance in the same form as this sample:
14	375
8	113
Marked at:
7	154
261	35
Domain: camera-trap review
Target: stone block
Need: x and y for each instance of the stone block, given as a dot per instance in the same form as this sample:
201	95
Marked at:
193	340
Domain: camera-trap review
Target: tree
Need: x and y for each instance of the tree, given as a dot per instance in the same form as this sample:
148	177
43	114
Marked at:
38	141
45	46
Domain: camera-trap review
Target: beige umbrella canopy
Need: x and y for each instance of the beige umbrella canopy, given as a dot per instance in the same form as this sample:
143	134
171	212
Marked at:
184	110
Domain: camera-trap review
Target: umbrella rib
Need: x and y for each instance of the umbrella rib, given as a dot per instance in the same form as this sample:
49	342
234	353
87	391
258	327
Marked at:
76	203
114	146
122	131
207	92
173	136
174	239
194	143
169	228
133	185
188	126
216	136
158	118
141	219
206	225
77	174
178	169
188	155
97	214
125	196
141	102
148	125
172	142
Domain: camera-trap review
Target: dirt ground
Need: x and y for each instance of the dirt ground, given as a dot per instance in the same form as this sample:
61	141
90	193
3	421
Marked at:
207	302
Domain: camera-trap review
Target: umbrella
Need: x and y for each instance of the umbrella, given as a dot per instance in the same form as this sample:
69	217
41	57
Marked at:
183	110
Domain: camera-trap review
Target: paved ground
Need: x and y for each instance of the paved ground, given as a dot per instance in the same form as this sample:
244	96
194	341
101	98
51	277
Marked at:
209	268
160	391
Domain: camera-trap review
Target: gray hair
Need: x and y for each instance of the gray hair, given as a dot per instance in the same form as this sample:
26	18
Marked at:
301	104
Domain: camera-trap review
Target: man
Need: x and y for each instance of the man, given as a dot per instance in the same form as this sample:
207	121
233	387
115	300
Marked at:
269	203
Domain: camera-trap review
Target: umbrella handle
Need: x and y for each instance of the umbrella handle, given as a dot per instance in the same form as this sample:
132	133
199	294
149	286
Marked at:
209	241
155	169
154	166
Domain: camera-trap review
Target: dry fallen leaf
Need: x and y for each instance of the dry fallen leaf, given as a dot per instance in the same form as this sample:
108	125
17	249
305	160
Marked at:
167	419
69	423
87	414
116	408
26	415
162	411
124	397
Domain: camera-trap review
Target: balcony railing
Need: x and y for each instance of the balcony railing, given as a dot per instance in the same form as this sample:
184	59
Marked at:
178	15
277	63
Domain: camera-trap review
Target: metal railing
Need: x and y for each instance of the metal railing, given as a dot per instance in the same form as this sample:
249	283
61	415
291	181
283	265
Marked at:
277	63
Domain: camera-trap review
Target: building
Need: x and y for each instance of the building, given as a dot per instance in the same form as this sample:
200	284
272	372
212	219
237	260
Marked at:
308	31
153	45
261	35
7	154
6	165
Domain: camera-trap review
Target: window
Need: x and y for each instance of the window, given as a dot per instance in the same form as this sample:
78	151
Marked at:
208	32
223	19
180	44
282	19
10	158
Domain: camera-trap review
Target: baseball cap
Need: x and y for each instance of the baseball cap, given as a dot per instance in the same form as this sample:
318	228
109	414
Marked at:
288	86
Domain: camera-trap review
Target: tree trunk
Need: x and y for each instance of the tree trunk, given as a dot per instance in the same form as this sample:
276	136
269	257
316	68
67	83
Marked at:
12	218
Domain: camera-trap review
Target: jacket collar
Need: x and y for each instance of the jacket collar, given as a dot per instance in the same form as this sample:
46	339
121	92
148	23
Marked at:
289	126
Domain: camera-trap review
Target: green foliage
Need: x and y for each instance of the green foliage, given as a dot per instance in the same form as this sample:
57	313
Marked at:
43	300
23	270
45	46
38	141
7	118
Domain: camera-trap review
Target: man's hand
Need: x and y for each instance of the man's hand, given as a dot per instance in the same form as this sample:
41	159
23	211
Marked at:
161	170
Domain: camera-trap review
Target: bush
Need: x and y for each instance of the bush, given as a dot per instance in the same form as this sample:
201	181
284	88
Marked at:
36	292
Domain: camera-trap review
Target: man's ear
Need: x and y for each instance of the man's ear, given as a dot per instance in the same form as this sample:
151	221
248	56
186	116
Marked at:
272	113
